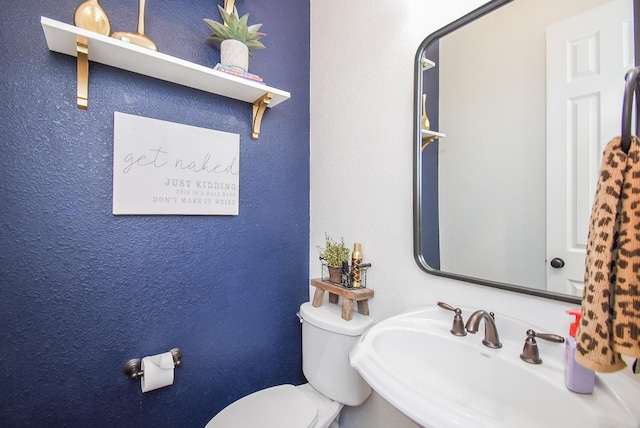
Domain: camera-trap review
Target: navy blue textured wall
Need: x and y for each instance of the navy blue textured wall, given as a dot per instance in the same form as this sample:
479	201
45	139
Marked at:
82	291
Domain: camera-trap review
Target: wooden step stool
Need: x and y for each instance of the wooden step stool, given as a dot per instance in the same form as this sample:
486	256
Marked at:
349	295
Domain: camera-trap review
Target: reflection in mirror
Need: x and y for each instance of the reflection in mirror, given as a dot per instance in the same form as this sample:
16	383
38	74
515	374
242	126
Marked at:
522	97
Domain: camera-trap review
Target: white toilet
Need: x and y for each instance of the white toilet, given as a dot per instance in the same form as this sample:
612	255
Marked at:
327	340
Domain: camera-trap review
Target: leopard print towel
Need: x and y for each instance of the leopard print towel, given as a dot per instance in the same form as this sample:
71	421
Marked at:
611	301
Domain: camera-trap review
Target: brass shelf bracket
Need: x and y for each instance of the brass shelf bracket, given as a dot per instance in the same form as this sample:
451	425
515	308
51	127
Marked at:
259	107
428	140
82	48
429	136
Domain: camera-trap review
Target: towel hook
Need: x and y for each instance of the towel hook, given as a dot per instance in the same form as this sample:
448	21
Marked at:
632	85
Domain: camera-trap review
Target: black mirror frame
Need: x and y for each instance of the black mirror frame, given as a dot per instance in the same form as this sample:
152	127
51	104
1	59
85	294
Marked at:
417	161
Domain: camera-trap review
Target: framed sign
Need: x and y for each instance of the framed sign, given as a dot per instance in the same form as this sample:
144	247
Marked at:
168	168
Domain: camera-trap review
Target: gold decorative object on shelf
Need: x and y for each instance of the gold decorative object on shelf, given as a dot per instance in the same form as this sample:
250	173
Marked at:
425	119
428	136
426	140
228	5
138	38
90	16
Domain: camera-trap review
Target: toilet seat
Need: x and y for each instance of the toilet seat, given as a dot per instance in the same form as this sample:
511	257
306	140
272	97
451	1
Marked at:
282	406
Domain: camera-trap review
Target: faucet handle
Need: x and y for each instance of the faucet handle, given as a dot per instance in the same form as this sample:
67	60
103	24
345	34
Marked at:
446	306
530	352
550	337
458	324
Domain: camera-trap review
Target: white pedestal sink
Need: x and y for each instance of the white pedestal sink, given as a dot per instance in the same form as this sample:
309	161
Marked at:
440	380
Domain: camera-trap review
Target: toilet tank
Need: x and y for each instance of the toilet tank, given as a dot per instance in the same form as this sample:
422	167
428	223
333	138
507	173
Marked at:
327	340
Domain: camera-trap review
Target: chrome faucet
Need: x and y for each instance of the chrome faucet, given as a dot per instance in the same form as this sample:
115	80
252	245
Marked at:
491	338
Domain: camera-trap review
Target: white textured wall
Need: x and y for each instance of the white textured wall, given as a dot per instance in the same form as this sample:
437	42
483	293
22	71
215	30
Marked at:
362	55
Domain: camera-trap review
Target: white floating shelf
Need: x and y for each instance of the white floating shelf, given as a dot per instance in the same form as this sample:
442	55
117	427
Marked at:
427	64
63	38
426	133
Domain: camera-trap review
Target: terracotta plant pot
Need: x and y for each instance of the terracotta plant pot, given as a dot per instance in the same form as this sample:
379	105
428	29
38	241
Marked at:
335	274
235	54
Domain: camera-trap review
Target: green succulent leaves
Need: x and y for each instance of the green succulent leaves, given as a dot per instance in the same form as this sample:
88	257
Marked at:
233	27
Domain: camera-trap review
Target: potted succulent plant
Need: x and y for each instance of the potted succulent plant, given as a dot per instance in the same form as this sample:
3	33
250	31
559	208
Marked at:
237	39
334	253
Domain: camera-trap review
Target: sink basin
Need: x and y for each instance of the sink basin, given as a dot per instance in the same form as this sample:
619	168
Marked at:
441	380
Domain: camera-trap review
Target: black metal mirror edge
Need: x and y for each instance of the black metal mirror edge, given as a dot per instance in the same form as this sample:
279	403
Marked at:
417	163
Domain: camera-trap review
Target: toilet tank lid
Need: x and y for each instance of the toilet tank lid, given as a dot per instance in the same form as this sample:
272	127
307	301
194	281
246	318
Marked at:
329	317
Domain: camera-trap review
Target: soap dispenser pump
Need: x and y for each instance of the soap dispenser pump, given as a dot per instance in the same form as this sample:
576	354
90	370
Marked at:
577	378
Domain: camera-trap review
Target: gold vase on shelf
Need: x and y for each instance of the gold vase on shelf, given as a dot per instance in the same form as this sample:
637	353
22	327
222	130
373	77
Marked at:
425	119
428	137
91	16
139	38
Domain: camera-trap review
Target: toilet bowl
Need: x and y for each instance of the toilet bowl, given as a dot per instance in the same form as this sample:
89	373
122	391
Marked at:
327	340
283	406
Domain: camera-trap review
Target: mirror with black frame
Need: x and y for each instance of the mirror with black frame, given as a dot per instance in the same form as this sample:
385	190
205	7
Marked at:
513	106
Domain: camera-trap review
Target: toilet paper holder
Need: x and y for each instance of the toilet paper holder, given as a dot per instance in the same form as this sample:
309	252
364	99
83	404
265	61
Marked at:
133	367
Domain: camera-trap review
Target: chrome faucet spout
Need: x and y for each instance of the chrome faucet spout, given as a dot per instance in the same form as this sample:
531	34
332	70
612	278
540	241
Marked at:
491	337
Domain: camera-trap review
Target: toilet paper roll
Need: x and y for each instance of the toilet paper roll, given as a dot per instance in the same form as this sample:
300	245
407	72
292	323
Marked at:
158	371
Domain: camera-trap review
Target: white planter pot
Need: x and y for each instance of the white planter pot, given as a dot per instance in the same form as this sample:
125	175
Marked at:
234	53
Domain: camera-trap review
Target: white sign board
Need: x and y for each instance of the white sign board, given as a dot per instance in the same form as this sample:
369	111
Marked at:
168	168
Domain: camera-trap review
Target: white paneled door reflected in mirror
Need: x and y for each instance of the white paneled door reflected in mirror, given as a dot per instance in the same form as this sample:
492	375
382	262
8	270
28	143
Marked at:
525	95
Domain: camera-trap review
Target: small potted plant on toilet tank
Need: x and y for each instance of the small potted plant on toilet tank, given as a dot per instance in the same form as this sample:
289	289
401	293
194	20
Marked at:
333	254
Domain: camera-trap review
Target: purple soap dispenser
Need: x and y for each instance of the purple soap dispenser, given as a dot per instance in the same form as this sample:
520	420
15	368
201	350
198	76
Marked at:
576	377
